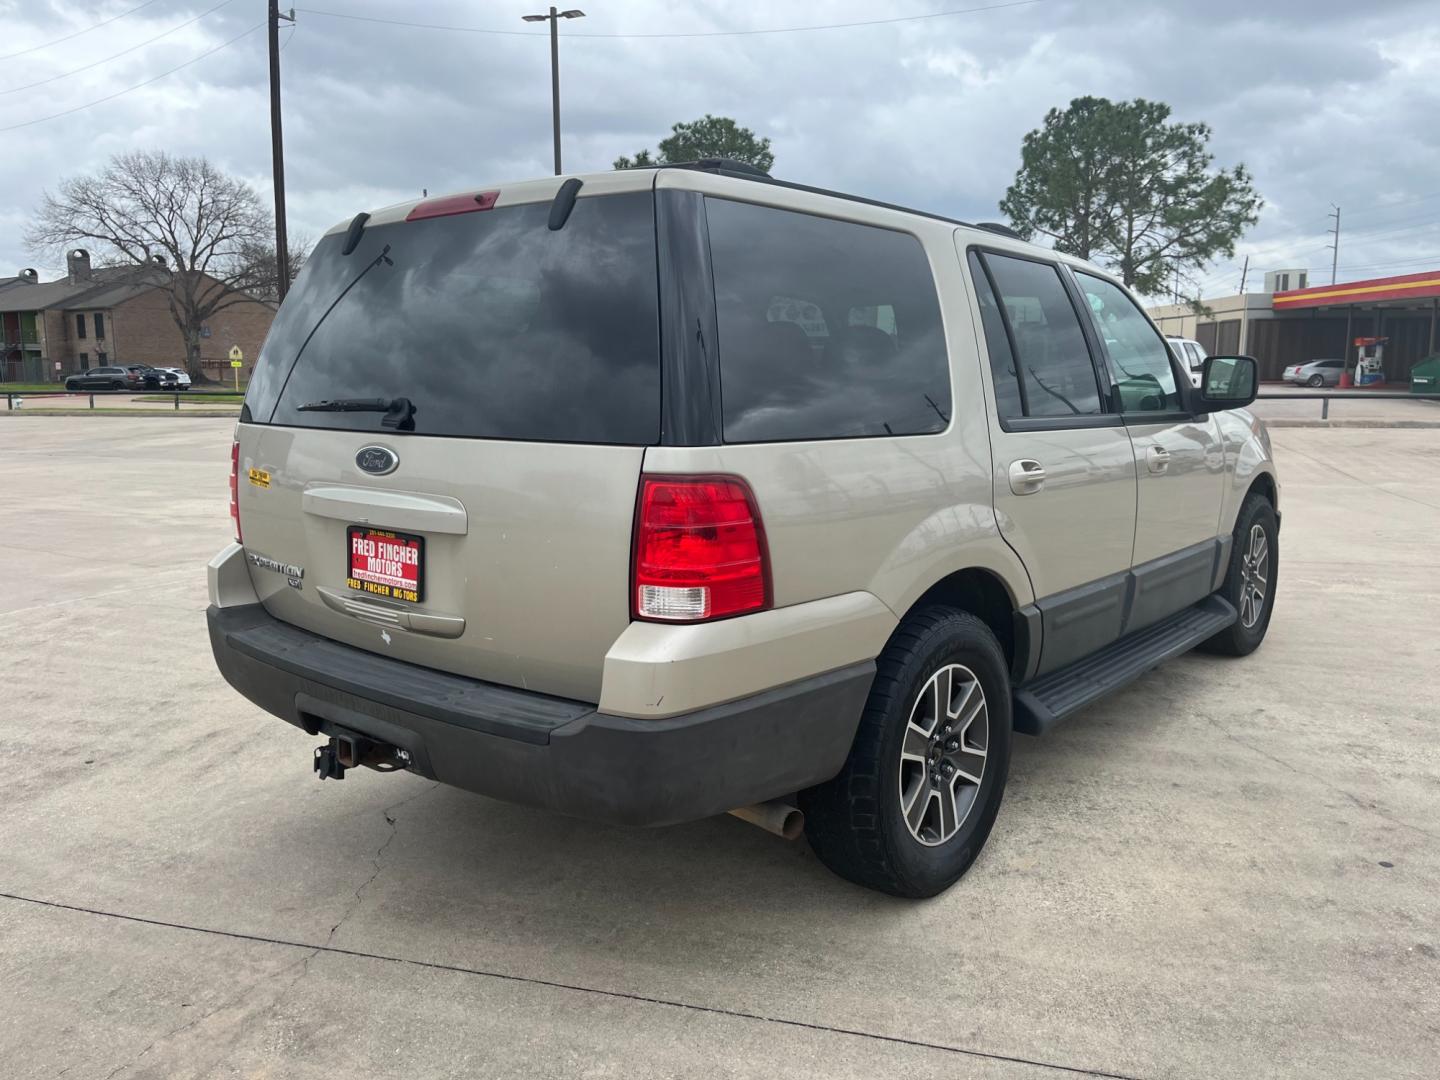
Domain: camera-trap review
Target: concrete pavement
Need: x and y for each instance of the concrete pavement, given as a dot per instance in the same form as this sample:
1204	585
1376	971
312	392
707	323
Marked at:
1230	869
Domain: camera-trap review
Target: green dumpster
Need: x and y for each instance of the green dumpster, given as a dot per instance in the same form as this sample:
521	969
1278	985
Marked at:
1425	376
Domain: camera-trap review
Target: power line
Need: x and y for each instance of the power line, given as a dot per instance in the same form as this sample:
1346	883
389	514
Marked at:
692	34
137	86
114	56
1383	207
77	33
1215	280
1391	230
1431	260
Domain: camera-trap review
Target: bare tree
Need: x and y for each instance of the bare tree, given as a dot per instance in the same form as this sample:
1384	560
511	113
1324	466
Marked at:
212	231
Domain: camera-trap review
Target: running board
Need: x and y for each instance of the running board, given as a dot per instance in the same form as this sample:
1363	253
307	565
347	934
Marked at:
1045	701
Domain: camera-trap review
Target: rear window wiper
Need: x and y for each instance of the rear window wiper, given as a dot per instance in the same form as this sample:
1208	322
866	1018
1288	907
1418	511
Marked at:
399	412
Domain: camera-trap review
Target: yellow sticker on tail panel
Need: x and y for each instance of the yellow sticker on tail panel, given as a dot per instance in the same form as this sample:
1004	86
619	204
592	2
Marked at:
260	478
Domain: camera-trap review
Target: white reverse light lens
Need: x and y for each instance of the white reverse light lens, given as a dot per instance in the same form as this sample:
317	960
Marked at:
668	602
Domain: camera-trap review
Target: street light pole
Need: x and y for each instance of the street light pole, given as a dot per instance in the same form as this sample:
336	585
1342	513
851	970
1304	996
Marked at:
277	153
553	18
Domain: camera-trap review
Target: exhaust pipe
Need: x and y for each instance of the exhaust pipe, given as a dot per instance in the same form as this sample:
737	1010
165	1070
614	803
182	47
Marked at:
774	816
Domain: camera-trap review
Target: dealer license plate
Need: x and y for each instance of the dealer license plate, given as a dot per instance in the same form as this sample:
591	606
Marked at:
386	564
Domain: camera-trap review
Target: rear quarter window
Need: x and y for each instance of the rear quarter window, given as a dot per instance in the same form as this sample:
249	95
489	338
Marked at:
827	329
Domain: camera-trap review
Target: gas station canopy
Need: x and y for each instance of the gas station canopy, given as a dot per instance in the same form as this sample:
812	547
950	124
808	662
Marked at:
1406	287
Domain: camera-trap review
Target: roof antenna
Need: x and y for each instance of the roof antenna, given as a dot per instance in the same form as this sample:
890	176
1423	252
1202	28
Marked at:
564	203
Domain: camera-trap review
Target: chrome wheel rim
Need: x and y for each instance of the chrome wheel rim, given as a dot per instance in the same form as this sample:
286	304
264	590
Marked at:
943	755
1254	576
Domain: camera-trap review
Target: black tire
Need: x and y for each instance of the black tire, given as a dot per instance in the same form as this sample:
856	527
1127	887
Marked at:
71	385
855	822
1239	639
118	384
1315	380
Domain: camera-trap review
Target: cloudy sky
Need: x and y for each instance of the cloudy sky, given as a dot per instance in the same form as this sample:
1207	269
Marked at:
1327	101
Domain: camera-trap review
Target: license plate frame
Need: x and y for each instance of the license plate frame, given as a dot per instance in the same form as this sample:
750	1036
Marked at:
366	580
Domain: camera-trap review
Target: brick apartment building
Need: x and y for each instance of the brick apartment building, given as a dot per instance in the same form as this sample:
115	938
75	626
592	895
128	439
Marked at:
112	315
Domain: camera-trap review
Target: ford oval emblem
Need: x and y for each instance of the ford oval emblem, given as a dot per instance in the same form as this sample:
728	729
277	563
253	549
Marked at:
376	460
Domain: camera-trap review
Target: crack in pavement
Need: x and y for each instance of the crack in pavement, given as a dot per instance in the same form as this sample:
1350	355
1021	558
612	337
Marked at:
616	995
1372	807
303	964
388	813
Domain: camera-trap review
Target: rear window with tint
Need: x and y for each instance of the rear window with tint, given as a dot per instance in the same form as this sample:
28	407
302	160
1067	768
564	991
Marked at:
827	329
492	325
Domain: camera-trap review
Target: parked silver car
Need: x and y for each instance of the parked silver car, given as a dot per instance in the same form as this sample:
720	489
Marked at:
655	494
1315	373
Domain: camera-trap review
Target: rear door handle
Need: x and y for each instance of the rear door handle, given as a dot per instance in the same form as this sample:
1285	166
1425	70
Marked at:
1027	476
1157	459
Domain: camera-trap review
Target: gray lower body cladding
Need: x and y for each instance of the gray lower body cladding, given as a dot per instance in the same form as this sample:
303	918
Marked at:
545	751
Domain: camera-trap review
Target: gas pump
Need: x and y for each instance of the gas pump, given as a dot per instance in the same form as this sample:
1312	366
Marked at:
1369	360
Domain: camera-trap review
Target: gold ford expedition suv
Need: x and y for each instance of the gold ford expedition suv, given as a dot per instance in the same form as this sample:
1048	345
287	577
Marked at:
656	494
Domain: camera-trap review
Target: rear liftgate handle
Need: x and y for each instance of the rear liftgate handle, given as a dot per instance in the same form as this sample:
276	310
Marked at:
1157	459
1027	476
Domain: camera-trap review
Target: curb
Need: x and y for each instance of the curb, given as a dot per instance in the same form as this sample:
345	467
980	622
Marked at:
1291	423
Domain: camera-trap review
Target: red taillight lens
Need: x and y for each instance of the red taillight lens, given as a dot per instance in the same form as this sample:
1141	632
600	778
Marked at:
699	549
453	204
235	489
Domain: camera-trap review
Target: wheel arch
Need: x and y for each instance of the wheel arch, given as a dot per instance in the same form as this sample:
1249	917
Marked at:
984	594
1264	484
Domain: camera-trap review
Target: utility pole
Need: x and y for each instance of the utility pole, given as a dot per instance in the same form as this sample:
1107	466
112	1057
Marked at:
1244	273
277	152
554	20
1177	281
1335	247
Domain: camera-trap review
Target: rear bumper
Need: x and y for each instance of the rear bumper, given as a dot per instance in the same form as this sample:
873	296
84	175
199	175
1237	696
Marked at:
545	751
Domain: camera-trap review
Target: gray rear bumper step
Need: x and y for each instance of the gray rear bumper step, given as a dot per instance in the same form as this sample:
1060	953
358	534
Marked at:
1045	701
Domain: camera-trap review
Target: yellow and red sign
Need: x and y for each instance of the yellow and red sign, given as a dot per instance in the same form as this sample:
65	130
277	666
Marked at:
1405	287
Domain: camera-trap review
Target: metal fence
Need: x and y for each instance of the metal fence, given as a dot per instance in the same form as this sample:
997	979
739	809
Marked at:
16	398
1325	397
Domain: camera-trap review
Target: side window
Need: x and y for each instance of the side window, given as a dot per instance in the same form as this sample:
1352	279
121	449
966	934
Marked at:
1057	377
827	329
1144	377
80	326
997	344
99	326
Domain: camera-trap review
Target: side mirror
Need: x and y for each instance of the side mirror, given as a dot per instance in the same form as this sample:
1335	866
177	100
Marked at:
1228	382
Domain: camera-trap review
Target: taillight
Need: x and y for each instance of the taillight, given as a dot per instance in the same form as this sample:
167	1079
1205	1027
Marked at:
453	204
235	488
699	549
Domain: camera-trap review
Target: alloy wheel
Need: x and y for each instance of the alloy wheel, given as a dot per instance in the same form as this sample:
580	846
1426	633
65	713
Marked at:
942	757
1254	576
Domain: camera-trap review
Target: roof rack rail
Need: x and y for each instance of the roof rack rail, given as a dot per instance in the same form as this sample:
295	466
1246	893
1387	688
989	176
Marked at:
742	171
996	227
723	165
